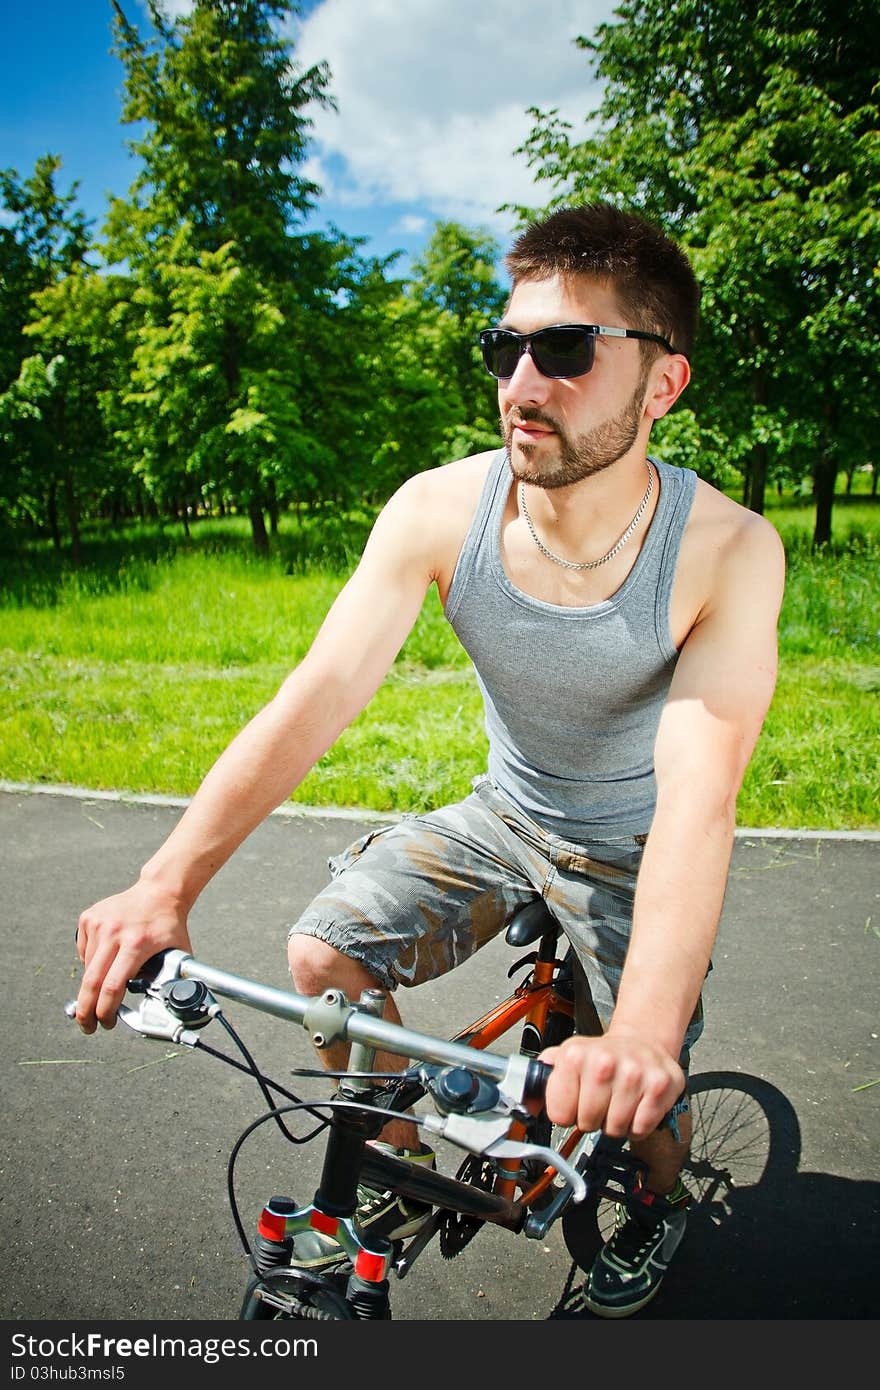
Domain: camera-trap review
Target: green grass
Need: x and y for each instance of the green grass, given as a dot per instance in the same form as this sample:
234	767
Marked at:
135	673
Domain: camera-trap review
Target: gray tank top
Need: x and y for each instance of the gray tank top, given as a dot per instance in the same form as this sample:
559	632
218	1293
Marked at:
572	696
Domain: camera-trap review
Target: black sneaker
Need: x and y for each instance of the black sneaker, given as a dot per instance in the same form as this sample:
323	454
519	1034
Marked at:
379	1213
386	1214
629	1270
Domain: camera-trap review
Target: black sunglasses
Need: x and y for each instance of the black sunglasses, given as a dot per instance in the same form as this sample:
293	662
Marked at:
564	349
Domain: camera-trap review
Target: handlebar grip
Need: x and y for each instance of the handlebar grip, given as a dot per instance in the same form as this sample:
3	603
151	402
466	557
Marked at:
537	1076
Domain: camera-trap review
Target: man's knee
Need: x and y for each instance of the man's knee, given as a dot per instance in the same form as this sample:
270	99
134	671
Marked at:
312	962
315	965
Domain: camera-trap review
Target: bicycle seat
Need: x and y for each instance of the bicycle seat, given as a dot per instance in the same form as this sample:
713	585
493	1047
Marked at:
529	923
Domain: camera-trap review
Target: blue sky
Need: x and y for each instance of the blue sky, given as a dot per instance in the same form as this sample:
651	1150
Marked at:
432	98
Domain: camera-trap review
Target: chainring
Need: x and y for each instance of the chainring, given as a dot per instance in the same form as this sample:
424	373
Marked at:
455	1229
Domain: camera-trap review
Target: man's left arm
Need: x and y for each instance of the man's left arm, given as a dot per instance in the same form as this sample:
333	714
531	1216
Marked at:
718	699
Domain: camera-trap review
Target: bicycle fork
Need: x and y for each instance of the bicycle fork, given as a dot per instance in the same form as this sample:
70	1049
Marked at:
332	1209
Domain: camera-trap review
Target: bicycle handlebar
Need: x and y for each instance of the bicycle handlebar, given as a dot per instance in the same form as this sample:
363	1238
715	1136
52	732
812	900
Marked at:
331	1017
170	1012
328	1018
173	1012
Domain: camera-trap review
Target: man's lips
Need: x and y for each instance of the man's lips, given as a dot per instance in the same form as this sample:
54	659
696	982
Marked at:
530	430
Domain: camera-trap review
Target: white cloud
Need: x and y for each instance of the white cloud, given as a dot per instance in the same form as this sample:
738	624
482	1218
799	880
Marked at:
171	9
411	223
433	95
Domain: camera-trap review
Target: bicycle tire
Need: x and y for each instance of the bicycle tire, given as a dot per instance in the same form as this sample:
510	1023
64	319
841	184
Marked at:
746	1133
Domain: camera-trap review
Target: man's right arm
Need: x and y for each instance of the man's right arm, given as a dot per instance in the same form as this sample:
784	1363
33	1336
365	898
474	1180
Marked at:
350	656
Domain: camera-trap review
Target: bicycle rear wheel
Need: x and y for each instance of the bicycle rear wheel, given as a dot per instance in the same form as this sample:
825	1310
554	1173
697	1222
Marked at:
745	1133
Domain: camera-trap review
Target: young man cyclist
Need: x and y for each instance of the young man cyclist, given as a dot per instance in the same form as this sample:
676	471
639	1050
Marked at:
621	616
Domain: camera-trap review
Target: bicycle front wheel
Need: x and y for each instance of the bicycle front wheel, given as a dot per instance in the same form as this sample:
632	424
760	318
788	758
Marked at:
285	1296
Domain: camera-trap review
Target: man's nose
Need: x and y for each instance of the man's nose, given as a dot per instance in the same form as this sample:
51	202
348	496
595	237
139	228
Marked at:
527	383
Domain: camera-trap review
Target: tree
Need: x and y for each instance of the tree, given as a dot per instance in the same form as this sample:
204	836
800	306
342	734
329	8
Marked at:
45	246
455	284
454	292
63	398
209	232
749	130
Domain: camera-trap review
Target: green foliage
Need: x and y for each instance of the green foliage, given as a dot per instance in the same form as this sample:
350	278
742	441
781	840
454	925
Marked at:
219	359
456	279
686	441
748	129
213	403
45	238
50	359
225	123
270	368
436	402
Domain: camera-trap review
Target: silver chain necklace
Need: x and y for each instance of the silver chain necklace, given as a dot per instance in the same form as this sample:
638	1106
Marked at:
609	554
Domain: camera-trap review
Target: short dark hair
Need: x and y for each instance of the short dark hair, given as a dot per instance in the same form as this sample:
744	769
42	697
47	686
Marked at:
651	276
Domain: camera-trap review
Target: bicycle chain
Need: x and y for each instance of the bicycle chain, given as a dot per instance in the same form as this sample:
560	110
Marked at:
455	1229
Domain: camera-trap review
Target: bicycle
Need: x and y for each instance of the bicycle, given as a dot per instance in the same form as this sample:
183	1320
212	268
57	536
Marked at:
519	1173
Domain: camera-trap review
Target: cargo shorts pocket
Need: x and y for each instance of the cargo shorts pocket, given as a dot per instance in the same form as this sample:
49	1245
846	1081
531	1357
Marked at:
338	863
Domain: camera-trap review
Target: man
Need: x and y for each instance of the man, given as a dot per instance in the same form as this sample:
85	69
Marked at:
621	616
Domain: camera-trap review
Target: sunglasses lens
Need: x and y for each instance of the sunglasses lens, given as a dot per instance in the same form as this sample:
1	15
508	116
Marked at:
500	351
563	351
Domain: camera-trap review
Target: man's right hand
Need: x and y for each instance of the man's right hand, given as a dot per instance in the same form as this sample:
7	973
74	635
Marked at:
622	1082
114	939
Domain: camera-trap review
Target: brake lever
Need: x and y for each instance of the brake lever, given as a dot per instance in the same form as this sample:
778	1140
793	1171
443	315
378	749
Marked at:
152	1018
513	1148
487	1134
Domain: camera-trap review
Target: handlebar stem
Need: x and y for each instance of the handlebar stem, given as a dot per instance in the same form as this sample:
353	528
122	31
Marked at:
362	1057
325	1018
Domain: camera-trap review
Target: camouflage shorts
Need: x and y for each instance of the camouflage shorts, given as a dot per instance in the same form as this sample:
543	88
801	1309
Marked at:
412	900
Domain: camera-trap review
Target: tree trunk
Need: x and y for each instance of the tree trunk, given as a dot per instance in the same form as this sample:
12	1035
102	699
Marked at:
72	510
758	466
258	528
758	478
825	477
52	515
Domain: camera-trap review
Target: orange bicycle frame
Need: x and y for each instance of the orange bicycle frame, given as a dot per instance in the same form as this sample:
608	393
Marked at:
531	1003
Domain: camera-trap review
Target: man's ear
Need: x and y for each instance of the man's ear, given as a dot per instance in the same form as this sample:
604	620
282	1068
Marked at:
668	379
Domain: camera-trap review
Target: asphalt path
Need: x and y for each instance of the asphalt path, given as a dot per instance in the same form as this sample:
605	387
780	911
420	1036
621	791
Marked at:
114	1189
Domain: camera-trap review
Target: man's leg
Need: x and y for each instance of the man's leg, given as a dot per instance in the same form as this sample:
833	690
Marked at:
316	966
594	901
664	1153
630	1268
405	905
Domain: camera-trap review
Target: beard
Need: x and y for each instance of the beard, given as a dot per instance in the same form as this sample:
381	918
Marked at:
576	457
